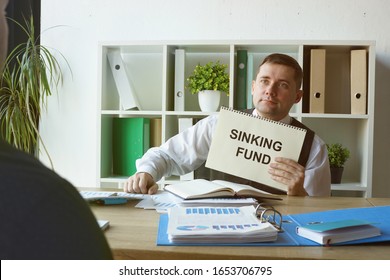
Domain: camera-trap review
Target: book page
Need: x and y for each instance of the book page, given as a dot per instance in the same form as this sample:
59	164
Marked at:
245	190
196	188
244	145
238	187
208	221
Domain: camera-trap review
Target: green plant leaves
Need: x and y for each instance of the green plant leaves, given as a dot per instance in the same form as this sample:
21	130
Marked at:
211	76
29	74
337	154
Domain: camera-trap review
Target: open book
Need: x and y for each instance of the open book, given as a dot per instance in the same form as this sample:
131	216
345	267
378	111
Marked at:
201	188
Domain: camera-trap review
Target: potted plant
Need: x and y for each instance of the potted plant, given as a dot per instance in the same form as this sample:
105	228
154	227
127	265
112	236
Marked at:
337	155
208	81
30	71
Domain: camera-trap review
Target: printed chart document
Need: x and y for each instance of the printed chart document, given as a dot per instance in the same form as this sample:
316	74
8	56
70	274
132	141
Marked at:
218	225
244	145
201	188
220	202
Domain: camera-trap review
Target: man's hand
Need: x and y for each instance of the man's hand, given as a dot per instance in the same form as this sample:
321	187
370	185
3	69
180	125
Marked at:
141	183
290	173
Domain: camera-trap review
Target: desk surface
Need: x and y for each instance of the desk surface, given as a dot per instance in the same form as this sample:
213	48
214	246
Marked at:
132	234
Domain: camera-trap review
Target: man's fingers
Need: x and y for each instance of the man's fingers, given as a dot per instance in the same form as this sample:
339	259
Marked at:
143	184
153	189
140	183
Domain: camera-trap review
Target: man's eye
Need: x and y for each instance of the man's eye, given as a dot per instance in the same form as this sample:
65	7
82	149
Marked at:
264	82
283	85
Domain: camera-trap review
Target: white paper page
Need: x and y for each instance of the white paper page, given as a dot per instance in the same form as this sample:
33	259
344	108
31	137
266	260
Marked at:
215	220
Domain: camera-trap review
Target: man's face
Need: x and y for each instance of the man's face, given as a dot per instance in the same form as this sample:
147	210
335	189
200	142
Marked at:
275	91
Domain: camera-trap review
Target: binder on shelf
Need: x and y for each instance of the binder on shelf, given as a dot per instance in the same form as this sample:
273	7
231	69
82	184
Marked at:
358	82
317	80
179	80
155	132
127	94
241	80
250	77
131	139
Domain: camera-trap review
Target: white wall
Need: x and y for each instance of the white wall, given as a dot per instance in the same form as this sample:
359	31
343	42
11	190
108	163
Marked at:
70	126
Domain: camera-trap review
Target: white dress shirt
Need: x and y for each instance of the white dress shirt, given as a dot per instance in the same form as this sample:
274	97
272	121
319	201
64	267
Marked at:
188	150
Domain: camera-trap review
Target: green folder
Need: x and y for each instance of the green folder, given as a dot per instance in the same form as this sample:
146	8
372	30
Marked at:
131	138
240	96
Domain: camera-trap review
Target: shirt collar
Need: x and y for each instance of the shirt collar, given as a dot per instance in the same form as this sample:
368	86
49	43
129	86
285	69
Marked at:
286	119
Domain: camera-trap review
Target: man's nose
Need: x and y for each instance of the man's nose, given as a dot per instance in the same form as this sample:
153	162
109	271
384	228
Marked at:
271	89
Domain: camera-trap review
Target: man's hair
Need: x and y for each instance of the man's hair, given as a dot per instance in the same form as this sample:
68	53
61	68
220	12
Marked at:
283	59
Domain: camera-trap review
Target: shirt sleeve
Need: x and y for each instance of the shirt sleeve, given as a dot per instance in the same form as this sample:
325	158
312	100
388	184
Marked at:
182	153
317	173
188	150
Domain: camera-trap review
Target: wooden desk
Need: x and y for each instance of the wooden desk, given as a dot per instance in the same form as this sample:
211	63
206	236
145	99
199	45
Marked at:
132	235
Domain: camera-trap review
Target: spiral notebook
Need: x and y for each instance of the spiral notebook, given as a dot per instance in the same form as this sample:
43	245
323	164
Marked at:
244	145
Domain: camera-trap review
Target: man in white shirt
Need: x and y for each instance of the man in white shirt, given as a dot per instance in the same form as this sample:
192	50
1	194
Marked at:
275	90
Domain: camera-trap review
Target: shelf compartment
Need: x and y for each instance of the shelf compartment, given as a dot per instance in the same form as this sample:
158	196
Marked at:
337	95
144	68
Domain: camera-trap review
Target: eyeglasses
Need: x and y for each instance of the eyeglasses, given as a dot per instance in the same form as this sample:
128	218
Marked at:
267	213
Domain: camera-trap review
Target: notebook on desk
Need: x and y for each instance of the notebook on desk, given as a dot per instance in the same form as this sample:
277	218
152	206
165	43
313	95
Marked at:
378	216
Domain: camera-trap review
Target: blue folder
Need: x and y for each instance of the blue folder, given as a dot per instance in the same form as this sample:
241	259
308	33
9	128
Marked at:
379	216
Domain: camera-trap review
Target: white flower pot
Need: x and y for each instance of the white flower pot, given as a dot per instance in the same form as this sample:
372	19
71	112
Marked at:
209	100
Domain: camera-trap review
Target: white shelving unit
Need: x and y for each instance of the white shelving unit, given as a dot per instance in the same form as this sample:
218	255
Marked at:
150	66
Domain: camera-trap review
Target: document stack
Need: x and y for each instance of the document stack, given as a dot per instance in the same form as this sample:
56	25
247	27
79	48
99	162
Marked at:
199	225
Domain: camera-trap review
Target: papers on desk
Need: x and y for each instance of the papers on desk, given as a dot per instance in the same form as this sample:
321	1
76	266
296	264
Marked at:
163	201
93	195
160	202
378	216
218	225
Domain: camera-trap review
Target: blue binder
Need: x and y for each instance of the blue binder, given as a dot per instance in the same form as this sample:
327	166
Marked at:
380	216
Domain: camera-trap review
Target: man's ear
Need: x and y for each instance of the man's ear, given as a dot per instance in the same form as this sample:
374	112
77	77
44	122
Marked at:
299	95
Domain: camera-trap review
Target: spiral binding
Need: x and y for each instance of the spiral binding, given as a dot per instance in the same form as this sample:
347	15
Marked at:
267	213
262	118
